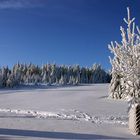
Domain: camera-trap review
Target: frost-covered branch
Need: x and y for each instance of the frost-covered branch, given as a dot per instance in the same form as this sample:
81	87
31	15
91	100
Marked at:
126	62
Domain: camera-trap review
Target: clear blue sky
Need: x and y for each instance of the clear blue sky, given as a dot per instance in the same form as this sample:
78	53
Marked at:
61	31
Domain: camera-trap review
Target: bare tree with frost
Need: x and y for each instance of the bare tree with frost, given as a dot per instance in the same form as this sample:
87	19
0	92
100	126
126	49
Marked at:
126	62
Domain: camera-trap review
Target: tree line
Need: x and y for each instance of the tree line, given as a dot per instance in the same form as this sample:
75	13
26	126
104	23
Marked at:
21	74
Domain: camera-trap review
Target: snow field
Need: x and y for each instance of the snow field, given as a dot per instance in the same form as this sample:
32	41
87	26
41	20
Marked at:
78	112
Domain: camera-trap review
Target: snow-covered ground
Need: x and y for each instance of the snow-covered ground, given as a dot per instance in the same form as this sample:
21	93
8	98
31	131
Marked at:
78	112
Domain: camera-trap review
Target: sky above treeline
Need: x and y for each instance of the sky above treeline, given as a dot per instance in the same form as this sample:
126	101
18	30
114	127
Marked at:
61	31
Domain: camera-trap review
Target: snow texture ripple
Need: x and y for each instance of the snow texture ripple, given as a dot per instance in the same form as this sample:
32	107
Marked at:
73	115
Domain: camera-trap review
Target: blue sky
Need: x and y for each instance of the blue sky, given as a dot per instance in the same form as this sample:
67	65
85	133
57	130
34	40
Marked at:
61	31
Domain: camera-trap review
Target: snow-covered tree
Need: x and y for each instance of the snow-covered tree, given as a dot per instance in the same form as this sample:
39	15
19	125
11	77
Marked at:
126	62
11	82
1	79
50	74
98	74
76	74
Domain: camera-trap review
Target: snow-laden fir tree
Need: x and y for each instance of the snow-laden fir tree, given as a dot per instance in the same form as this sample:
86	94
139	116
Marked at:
126	71
126	62
98	74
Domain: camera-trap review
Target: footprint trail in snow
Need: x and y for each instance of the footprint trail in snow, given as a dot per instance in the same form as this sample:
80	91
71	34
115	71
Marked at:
73	115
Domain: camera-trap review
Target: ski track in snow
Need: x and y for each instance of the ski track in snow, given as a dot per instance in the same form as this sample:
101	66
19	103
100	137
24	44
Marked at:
73	115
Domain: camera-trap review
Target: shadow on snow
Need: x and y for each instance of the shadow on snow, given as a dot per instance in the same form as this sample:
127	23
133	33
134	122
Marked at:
55	135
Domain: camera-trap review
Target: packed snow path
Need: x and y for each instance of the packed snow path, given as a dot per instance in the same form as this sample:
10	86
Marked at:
76	112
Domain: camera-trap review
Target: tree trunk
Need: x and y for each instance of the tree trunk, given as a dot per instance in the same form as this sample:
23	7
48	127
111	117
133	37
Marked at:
134	119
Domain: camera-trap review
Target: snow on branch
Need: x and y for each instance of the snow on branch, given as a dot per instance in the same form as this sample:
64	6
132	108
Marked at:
126	62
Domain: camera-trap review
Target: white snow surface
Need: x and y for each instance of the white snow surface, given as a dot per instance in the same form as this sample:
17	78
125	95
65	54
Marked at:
74	112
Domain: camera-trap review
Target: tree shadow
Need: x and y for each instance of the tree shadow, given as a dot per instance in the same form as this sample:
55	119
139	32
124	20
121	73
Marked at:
103	97
25	88
55	135
4	138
